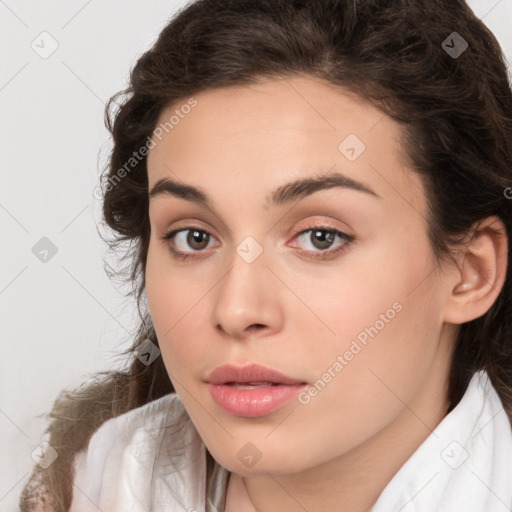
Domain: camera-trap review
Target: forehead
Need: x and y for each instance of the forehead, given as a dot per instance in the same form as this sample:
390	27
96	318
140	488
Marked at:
292	105
261	135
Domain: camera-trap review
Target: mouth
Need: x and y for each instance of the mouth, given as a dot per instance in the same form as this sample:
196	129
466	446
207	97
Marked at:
252	390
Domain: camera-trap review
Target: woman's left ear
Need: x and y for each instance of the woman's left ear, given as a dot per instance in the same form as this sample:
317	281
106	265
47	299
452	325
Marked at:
479	281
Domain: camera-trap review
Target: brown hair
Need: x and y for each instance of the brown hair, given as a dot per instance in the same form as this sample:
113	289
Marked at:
456	109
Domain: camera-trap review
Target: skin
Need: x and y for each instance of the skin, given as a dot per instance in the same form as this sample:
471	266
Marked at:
343	447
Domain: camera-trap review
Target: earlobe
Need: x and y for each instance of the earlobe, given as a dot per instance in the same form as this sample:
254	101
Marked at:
480	279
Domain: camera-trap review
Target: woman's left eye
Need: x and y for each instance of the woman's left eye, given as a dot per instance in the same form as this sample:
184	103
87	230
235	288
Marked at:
320	238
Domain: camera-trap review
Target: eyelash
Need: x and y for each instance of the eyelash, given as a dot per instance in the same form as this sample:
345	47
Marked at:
321	254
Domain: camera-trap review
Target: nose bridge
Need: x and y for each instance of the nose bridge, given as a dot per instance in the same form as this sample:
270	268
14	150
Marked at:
246	295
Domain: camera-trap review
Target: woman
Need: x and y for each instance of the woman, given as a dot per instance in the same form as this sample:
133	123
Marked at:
317	194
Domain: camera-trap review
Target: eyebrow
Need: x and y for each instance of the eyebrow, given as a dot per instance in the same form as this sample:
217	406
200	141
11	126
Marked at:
286	193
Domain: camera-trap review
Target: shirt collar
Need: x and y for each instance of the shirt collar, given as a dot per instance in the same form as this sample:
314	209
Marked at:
464	465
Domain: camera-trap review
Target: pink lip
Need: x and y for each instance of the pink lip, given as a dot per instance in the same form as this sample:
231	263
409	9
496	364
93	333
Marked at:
261	400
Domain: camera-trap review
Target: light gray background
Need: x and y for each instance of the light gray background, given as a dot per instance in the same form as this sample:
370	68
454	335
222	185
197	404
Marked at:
63	319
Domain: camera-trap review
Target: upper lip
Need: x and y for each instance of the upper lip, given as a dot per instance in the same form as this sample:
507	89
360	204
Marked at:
249	373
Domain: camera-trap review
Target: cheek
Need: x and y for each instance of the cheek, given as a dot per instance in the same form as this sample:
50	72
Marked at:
382	313
177	304
380	285
168	290
387	328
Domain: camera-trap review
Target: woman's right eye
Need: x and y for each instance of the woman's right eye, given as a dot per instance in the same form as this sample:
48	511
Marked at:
195	236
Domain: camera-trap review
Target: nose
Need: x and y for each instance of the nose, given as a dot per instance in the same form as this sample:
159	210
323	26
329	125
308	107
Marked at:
247	303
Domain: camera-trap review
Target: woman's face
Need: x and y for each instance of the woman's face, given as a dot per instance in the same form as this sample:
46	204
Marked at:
333	286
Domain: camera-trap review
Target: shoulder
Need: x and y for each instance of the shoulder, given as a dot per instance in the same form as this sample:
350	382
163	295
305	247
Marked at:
153	414
129	454
141	425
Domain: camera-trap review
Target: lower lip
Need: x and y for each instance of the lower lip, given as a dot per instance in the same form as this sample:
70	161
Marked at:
252	403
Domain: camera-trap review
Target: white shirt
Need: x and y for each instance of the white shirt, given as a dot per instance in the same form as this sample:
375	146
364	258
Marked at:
153	459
